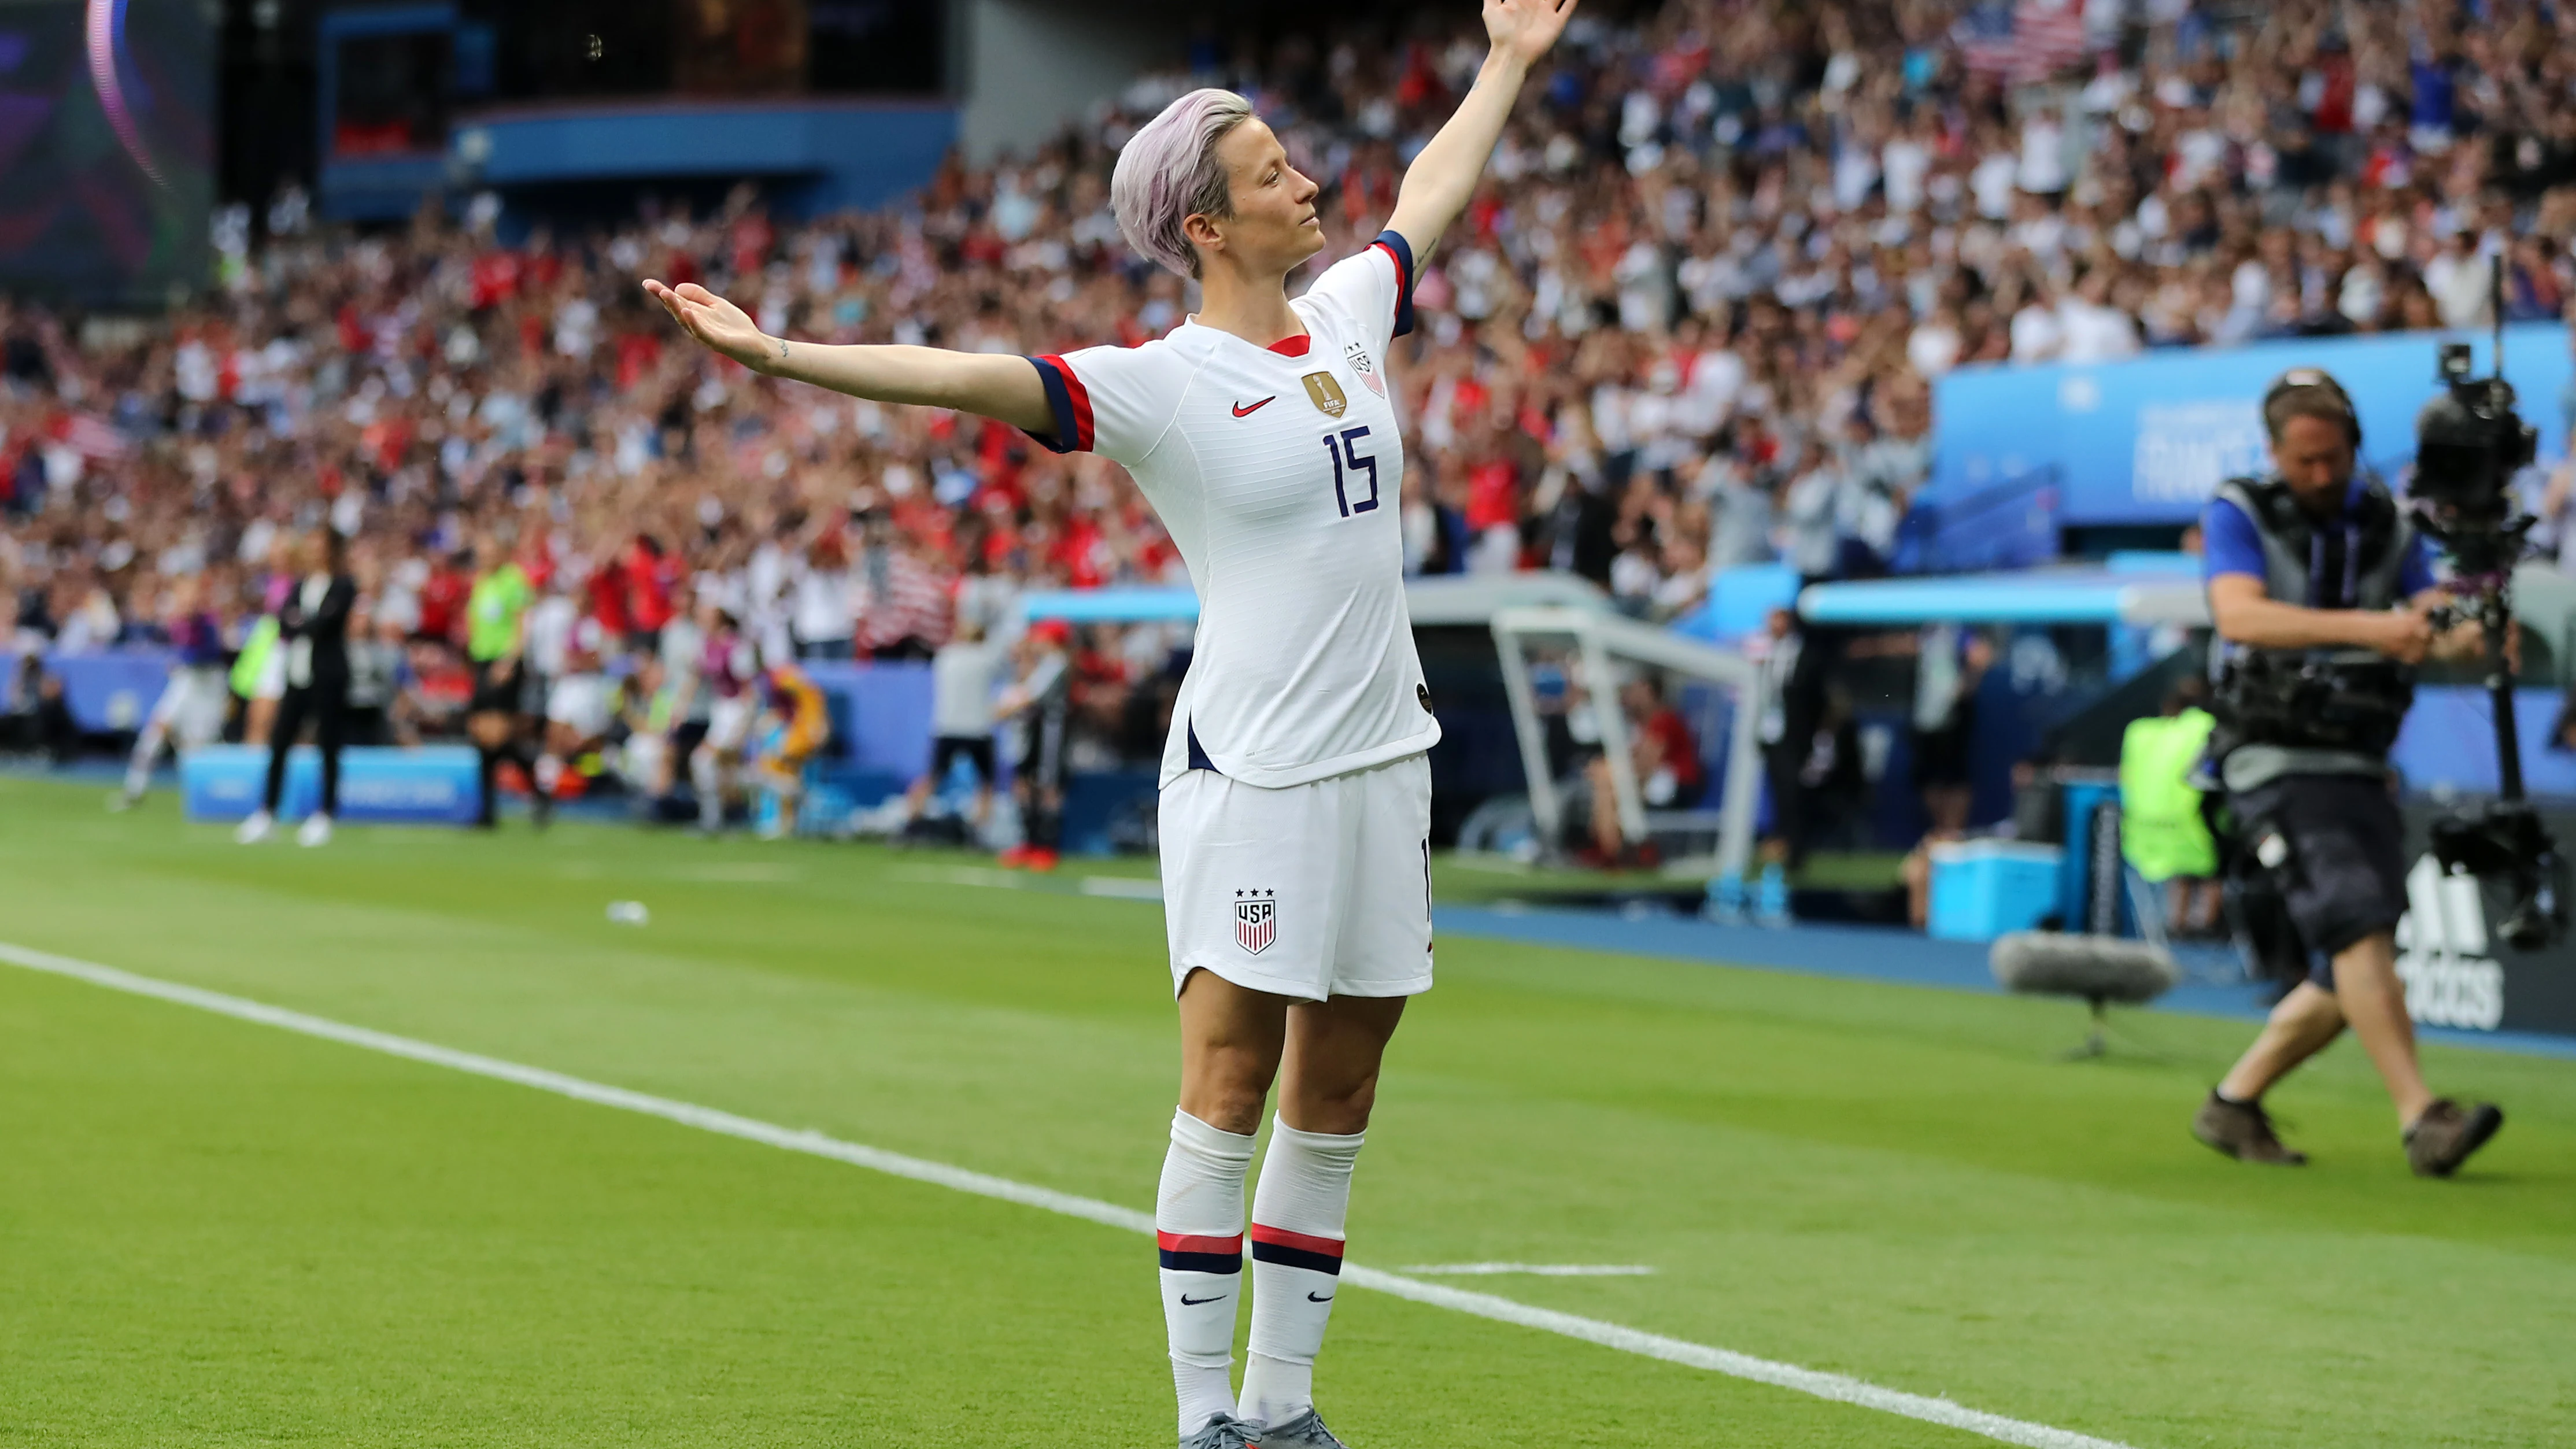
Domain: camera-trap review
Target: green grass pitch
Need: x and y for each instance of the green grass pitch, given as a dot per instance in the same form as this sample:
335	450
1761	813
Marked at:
217	1233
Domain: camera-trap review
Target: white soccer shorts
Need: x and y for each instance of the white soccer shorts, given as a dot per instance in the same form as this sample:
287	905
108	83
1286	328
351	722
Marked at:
193	705
641	763
1312	891
729	722
580	700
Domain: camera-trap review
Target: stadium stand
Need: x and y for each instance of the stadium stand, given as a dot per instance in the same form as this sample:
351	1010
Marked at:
1689	325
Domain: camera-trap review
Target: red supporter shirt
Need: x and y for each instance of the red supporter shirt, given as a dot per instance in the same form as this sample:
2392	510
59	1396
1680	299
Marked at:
1493	495
648	578
442	604
607	590
1672	733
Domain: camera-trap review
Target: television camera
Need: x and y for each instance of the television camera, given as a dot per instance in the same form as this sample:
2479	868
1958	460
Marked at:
2469	445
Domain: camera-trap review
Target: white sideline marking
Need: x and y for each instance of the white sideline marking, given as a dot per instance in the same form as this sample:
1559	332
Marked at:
1122	887
1837	1387
960	875
1536	1270
1114	887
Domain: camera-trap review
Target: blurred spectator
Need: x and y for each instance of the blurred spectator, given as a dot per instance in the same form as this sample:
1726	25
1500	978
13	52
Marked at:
2164	833
1950	663
1687	324
962	678
1040	698
313	653
647	704
1665	755
38	719
379	671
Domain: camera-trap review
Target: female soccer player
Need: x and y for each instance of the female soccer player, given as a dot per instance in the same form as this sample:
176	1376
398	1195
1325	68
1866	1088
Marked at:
1296	800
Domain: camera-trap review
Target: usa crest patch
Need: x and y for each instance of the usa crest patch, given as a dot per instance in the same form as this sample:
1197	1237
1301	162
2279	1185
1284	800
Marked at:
1364	367
1256	920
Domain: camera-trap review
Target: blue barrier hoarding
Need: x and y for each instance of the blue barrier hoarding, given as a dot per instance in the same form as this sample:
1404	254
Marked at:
433	785
2447	746
2146	440
107	690
882	724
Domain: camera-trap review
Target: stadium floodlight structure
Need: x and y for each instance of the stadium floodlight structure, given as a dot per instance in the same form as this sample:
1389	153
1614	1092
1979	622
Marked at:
1601	642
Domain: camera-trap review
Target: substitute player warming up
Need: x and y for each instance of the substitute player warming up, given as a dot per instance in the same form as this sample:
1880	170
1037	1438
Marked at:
1296	802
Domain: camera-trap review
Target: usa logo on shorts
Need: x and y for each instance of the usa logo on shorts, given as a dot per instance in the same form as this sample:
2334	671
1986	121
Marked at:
1256	920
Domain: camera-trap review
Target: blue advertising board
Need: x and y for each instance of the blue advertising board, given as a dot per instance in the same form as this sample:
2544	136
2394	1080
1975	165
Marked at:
2446	747
2146	440
433	785
882	722
106	690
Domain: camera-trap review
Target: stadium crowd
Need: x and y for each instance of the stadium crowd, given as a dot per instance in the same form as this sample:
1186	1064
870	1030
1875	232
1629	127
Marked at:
1689	322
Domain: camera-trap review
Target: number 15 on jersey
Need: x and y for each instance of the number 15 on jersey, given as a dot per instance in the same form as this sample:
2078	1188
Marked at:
1348	459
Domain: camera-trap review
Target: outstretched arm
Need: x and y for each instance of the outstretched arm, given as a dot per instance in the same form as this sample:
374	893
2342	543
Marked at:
1442	177
993	384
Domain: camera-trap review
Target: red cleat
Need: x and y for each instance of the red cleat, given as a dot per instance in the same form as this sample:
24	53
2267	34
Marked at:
1015	858
1040	860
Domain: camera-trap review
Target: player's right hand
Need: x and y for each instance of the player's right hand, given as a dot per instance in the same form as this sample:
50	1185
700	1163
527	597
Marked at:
714	321
2404	635
1524	29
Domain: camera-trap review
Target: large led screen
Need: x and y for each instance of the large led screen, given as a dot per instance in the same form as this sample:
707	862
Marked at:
106	148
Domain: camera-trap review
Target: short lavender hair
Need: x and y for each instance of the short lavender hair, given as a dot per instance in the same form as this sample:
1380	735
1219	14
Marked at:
1169	172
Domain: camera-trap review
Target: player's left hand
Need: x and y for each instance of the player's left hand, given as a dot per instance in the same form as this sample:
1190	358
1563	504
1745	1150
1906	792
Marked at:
1524	29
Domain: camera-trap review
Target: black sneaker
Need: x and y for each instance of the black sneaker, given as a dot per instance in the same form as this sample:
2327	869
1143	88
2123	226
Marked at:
2242	1130
2447	1133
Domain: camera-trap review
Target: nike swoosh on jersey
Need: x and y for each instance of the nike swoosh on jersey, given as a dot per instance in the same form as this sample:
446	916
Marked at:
1241	411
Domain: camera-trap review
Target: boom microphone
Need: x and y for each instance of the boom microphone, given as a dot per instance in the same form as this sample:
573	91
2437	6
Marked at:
2098	969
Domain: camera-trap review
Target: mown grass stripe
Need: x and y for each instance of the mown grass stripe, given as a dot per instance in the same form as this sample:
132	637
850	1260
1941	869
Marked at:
1837	1387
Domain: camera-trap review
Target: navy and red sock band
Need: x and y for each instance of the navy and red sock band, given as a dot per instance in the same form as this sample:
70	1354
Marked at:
1296	1250
1194	1253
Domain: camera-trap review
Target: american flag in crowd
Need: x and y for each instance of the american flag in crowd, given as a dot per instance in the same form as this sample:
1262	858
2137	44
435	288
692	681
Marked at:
2021	40
898	600
89	436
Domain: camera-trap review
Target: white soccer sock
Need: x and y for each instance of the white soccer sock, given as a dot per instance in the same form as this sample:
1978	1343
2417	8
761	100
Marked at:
1198	1227
549	773
138	767
1297	1214
704	779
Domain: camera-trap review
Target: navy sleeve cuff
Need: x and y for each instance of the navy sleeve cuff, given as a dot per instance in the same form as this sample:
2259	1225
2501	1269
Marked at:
1402	251
1069	432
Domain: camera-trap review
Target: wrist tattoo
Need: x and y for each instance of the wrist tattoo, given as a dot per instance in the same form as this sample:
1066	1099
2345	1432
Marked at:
782	349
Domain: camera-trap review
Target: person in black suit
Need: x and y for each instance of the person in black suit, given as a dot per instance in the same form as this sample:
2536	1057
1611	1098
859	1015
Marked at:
313	632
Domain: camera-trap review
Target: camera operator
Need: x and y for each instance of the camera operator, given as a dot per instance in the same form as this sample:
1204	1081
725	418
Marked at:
2313	560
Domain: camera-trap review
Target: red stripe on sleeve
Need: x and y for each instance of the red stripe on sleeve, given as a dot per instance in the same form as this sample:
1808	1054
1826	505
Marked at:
1081	406
1403	283
1188	1243
1329	1247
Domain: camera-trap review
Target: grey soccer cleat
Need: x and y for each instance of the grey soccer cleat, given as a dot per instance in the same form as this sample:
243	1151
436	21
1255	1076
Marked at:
1306	1431
1222	1432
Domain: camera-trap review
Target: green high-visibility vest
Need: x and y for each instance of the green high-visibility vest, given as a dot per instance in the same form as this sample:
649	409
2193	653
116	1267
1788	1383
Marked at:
2161	831
253	659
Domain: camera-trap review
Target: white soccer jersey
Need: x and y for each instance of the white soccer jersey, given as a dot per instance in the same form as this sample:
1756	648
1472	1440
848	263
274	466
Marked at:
1278	472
